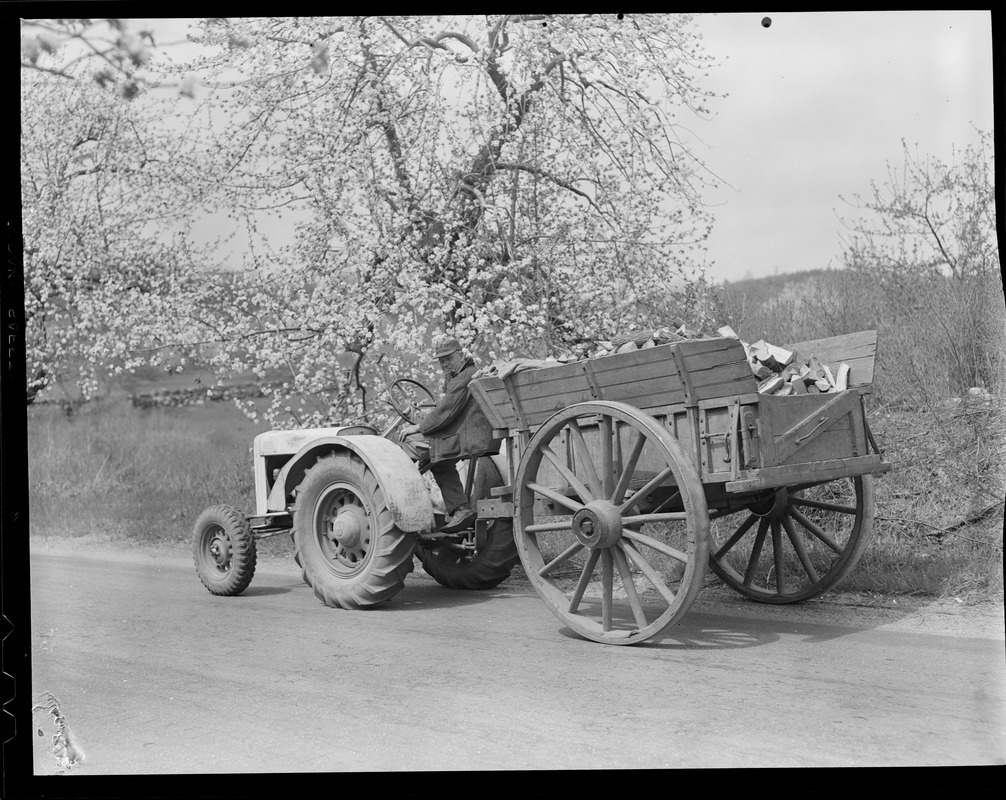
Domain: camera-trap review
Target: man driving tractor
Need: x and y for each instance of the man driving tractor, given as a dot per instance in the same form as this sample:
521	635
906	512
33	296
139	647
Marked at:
455	428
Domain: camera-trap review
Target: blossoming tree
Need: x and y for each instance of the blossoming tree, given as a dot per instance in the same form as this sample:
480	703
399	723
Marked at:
522	182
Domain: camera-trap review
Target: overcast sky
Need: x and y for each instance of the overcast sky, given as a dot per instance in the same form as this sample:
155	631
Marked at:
818	105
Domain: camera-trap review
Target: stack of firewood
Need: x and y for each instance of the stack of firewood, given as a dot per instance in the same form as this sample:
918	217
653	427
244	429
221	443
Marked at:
637	340
781	372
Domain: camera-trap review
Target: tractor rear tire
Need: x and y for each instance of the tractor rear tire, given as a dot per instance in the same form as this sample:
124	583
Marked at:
223	549
492	561
345	538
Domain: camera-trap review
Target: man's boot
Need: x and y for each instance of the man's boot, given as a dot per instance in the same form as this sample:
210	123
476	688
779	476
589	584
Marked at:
460	518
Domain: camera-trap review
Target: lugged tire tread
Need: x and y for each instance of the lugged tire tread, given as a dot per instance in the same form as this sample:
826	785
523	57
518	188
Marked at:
390	558
244	554
491	566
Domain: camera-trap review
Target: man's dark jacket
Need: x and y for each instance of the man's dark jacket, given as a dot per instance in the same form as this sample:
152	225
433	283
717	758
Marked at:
457	427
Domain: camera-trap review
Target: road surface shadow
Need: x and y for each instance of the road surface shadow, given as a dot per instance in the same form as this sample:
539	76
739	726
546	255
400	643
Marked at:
426	593
702	631
256	591
721	630
695	635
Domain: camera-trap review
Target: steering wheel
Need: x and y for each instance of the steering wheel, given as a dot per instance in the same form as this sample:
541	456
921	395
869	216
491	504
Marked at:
407	396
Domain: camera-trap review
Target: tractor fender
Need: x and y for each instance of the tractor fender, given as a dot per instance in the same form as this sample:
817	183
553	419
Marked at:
405	489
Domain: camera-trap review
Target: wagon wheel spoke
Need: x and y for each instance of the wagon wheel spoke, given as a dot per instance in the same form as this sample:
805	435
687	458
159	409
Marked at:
556	497
814	529
606	589
756	552
667	501
629	468
648	572
643	519
650	485
780	569
744	528
630	588
561	559
801	550
584	460
840	509
607	458
585	494
581	584
660	547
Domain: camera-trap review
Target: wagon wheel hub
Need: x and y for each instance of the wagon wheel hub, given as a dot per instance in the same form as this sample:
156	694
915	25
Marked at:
598	524
772	505
348	526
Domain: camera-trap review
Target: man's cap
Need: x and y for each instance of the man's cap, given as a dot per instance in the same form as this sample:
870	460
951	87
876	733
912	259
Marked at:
447	346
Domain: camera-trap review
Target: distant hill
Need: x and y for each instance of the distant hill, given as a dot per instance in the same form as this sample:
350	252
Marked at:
791	307
756	291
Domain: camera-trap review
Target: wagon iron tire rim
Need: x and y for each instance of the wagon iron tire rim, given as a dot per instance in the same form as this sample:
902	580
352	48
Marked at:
797	544
589	480
223	550
345	539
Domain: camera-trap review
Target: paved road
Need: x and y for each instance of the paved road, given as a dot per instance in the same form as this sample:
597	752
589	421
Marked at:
155	675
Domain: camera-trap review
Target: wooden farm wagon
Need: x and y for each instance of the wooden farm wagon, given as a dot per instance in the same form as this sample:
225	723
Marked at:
629	473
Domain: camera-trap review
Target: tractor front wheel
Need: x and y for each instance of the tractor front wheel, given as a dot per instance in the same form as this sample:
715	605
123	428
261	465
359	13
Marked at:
345	537
223	549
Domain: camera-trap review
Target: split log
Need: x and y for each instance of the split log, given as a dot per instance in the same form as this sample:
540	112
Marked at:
842	378
761	372
772	385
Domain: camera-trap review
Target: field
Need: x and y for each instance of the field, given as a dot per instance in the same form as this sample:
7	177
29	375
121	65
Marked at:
142	476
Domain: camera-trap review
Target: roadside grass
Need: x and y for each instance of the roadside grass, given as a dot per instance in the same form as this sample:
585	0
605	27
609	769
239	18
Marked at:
939	511
135	475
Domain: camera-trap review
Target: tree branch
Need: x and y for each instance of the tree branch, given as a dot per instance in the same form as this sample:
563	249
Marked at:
435	42
50	70
939	241
548	176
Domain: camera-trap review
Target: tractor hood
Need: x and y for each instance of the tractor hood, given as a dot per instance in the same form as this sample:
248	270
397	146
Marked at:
286	443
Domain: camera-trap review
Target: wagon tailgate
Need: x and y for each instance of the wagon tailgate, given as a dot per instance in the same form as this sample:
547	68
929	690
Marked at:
858	350
809	438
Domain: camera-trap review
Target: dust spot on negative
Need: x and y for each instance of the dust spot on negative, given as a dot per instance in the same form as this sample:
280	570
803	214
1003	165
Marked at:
64	748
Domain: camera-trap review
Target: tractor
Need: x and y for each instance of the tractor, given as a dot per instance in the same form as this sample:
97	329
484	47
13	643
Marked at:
358	510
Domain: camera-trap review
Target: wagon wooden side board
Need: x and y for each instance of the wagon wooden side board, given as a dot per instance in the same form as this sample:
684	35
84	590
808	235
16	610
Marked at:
629	473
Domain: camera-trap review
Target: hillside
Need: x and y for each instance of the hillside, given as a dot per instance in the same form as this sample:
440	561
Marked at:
760	290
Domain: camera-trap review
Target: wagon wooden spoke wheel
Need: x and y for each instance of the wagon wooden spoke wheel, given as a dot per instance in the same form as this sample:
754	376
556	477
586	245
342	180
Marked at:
611	523
795	542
